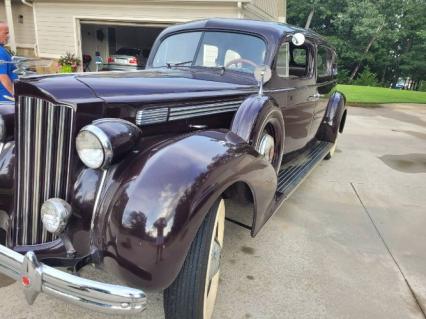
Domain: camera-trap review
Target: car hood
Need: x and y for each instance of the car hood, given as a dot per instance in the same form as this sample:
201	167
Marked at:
163	82
137	86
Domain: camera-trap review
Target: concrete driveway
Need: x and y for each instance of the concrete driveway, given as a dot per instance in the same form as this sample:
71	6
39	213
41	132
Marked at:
350	243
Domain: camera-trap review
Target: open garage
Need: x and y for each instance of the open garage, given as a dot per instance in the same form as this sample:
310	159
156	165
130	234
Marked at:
119	46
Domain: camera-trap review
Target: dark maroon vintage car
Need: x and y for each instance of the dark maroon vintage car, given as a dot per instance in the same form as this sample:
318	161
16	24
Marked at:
129	171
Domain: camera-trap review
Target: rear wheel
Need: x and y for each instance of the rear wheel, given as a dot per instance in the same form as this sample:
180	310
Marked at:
193	294
332	150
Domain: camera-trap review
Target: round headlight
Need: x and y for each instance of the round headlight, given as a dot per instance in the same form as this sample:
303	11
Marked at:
94	147
54	215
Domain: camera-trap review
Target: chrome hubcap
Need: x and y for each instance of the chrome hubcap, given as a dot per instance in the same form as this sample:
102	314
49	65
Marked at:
267	147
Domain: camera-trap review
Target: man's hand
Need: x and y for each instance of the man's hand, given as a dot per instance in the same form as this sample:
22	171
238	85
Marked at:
7	83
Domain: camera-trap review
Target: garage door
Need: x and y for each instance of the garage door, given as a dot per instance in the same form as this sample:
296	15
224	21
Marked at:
118	45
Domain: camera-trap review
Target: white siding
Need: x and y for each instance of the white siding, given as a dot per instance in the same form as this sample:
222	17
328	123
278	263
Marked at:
2	12
57	28
24	32
265	9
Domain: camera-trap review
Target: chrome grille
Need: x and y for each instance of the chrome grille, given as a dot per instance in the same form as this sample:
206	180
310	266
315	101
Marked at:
164	114
43	152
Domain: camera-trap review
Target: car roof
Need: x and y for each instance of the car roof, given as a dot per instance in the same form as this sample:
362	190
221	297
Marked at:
268	29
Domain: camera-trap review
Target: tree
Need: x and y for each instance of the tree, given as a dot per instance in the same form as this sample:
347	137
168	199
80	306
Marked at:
386	36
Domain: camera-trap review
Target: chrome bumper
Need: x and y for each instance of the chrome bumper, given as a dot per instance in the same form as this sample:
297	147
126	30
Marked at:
36	277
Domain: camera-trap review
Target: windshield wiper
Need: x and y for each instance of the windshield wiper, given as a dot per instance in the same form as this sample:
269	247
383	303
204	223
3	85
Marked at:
170	65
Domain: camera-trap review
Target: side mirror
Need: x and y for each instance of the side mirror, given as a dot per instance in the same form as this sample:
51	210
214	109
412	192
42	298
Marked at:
298	39
262	74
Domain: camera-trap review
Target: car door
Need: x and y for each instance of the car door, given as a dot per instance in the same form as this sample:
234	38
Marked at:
325	81
294	87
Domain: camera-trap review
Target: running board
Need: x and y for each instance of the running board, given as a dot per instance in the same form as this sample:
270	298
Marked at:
292	174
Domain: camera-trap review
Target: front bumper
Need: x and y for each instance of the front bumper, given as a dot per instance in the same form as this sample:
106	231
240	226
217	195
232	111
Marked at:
37	277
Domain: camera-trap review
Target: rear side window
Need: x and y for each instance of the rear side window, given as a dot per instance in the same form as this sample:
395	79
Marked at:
283	60
324	62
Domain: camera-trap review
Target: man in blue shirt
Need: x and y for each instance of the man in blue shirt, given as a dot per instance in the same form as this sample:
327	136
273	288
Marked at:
6	69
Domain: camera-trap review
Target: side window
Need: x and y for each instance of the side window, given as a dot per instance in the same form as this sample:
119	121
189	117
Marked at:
324	62
299	57
283	61
295	61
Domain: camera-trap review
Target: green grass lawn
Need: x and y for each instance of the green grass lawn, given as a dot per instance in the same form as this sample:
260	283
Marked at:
376	95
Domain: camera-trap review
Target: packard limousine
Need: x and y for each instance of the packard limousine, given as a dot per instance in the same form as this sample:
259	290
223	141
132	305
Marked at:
129	171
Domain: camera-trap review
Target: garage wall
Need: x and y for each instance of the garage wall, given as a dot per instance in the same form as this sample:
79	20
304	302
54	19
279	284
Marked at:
24	32
133	37
91	43
56	22
2	12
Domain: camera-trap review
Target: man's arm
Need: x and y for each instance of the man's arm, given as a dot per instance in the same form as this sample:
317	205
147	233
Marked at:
7	83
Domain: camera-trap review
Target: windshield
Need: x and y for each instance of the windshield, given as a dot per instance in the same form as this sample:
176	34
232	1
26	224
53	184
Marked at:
236	51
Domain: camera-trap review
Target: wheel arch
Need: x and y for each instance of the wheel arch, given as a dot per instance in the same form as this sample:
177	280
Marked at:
253	116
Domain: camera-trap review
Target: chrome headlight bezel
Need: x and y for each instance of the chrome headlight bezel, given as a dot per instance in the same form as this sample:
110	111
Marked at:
104	142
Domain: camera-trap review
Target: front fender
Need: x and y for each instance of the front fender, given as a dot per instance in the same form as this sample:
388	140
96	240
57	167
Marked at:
248	118
334	118
156	200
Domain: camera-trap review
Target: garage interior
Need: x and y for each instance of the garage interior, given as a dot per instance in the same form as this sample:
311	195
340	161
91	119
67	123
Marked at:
108	38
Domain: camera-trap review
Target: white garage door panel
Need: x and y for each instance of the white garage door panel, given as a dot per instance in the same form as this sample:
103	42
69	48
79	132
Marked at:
56	24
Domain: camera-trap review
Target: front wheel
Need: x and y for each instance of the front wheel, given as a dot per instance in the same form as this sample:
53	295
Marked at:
193	294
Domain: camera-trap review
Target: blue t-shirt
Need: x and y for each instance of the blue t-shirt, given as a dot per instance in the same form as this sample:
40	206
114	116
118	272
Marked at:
6	68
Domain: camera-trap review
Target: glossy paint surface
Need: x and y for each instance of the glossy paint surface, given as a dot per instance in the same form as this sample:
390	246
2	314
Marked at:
154	201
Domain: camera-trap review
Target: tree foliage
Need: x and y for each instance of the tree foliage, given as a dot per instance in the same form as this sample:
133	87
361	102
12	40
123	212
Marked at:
386	36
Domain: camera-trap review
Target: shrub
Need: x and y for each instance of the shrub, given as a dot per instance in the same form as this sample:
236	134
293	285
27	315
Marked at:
366	78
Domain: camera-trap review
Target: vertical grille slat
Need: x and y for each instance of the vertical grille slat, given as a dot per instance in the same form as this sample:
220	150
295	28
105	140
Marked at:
44	146
48	158
27	114
37	167
59	153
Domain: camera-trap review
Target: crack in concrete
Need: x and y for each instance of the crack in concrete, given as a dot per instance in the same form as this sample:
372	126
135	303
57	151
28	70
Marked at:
419	305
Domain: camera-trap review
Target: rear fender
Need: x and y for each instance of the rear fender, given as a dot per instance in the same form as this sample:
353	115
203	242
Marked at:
334	118
155	201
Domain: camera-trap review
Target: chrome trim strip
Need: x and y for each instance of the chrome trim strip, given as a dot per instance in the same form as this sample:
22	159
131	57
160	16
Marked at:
210	105
164	114
19	169
97	198
37	166
90	294
70	136
151	116
59	152
198	113
48	159
27	112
